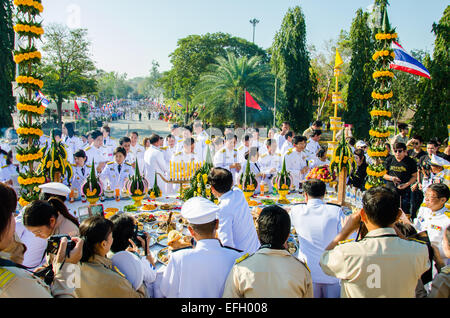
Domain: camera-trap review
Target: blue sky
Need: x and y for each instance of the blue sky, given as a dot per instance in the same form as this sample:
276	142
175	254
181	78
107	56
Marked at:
127	35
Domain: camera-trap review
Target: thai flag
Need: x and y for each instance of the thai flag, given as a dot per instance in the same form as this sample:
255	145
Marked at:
41	98
83	100
180	105
406	63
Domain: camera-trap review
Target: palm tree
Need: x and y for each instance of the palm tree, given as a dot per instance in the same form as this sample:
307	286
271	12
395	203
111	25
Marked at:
222	89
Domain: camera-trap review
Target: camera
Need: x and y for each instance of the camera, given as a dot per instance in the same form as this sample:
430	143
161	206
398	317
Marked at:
54	242
137	234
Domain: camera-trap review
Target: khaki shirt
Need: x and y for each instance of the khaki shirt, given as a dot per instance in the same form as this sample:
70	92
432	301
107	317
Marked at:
18	283
98	279
269	273
440	288
15	251
377	266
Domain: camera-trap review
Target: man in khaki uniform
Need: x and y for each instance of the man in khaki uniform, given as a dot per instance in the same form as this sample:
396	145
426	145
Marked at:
381	264
271	272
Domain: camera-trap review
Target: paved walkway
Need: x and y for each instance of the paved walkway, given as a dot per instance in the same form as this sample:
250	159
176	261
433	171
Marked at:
144	128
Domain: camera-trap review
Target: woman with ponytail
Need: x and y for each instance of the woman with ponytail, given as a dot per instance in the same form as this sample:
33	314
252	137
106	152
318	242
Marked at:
47	218
98	277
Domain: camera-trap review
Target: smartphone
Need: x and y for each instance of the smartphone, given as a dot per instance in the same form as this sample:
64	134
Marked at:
97	210
83	213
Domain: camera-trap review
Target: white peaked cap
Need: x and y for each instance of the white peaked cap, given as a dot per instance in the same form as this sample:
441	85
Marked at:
129	265
199	210
55	188
438	161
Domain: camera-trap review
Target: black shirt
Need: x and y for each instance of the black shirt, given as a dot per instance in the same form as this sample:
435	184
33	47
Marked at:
402	170
358	177
416	155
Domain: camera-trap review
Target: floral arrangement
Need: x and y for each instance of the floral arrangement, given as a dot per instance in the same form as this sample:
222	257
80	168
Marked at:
55	166
137	186
381	94
199	185
92	188
343	158
155	192
283	180
247	179
27	56
321	173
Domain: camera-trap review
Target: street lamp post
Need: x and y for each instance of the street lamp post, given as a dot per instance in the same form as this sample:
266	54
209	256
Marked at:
254	22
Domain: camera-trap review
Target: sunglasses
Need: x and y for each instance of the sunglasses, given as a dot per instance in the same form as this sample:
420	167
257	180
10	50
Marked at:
398	151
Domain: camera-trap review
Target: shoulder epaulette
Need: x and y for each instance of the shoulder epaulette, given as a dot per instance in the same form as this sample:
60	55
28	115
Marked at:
110	163
235	149
264	155
223	150
87	149
232	248
181	140
278	154
178	153
335	204
118	272
127	163
346	241
4	167
164	148
89	166
73	165
289	151
240	259
5	277
415	240
241	147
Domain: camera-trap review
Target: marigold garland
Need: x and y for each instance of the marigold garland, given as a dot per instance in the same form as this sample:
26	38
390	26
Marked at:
19	58
29	80
383	113
31	108
372	173
30	131
386	36
30	181
29	157
30	3
23	202
376	95
25	28
378	74
383	53
377	134
378	153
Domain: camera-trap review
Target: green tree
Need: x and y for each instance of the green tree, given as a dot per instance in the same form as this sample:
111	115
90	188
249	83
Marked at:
150	86
433	116
222	90
290	59
112	85
361	83
7	65
192	57
67	68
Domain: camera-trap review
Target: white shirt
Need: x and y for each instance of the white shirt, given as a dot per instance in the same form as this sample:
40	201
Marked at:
96	154
109	145
435	224
115	178
242	150
236	227
9	172
201	146
34	255
154	162
137	152
312	148
185	157
224	158
270	166
316	224
295	162
280	139
286	146
200	272
80	175
73	144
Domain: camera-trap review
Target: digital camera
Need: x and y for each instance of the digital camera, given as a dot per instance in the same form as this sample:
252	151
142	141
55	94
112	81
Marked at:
54	242
137	234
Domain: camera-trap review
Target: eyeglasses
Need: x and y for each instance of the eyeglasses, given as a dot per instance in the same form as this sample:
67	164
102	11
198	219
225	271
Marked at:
398	151
431	197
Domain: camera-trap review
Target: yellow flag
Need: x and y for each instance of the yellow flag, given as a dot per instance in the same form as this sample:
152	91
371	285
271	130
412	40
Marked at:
339	60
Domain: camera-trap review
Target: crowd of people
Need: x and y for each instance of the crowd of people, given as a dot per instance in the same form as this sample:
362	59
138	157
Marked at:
339	255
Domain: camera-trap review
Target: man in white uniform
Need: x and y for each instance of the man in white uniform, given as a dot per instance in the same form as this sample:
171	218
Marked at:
270	162
187	154
297	161
137	150
117	172
109	143
201	137
236	227
186	135
313	146
243	149
199	272
280	138
96	150
317	223
227	157
170	149
154	163
287	143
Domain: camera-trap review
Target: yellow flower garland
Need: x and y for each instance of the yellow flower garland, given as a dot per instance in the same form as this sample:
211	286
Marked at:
138	192
377	134
23	202
375	95
90	193
372	173
29	181
383	74
377	153
29	3
31	108
29	80
29	157
383	53
30	131
384	113
386	36
19	58
26	28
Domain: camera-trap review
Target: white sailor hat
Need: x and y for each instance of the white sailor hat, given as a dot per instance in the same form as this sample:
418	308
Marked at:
130	266
438	161
360	143
55	188
199	211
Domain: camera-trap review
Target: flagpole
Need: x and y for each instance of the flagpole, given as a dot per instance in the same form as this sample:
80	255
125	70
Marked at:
275	103
245	104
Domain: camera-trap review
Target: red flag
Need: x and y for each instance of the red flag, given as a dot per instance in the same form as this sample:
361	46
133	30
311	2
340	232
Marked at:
76	107
250	102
